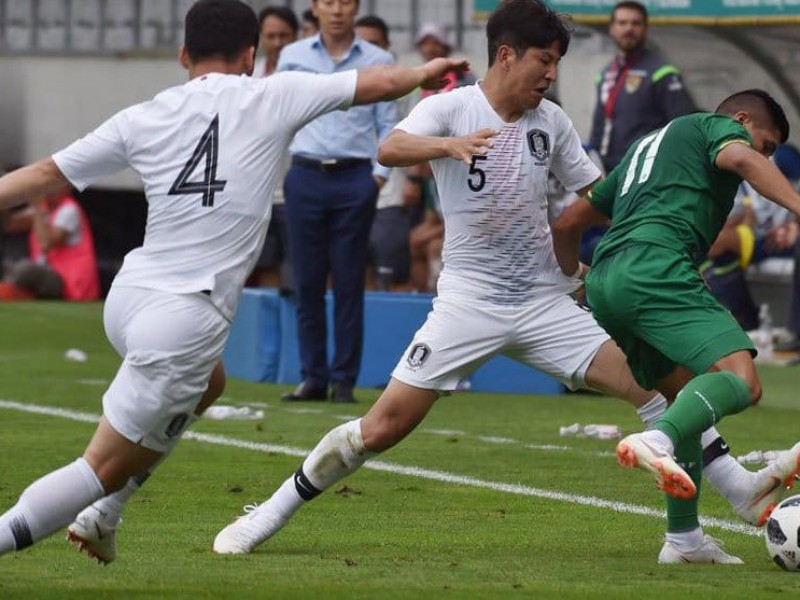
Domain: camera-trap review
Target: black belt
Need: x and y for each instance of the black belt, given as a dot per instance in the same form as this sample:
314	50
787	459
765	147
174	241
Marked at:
329	164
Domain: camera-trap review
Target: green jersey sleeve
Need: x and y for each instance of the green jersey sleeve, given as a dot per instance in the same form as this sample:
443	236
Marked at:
601	196
721	130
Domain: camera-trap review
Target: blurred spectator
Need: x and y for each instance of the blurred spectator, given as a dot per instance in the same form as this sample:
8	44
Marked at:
433	42
793	344
756	229
62	262
389	252
787	157
278	28
331	193
310	24
637	92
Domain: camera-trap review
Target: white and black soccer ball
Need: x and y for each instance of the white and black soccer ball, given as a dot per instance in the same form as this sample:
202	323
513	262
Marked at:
782	534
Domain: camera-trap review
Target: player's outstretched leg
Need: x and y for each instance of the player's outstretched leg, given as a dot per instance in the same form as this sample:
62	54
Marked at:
48	504
652	451
768	486
53	501
341	452
94	530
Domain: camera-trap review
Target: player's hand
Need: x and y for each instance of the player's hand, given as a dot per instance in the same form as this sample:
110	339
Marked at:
435	70
465	147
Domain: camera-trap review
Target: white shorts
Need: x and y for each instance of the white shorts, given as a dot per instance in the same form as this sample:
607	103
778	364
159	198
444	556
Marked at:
169	344
552	334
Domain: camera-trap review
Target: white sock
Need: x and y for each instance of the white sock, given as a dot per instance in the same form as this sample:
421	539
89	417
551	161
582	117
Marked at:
659	441
726	475
49	504
709	436
686	541
338	454
111	506
730	479
652	411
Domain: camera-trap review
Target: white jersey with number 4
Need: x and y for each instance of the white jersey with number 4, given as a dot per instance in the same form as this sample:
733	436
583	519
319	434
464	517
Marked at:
209	155
498	246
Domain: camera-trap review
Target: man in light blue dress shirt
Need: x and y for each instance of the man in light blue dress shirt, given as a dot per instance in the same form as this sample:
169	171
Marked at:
331	193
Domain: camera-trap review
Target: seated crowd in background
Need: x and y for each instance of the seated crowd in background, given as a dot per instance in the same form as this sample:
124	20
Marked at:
60	263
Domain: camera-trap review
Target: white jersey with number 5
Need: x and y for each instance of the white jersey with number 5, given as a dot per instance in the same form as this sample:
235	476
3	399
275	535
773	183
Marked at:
209	155
498	245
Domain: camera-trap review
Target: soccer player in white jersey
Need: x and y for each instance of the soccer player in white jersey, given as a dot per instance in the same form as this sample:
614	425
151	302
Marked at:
492	146
207	152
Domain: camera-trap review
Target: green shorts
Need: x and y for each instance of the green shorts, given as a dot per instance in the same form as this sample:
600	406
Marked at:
654	303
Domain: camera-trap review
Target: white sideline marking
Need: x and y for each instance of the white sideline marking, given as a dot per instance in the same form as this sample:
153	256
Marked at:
441	476
347	417
447	432
556	447
493	439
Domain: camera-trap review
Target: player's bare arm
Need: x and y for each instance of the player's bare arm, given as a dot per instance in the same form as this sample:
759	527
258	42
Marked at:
568	228
401	149
386	82
31	182
761	173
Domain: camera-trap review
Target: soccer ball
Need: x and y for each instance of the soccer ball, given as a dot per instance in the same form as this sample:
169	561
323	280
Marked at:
783	534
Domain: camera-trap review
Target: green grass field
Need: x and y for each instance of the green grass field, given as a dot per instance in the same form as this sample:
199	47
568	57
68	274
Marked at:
485	508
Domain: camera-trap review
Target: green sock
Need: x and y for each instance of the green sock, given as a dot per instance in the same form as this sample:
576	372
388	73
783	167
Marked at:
702	403
682	514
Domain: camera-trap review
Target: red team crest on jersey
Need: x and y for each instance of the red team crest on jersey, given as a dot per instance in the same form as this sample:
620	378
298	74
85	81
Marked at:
539	145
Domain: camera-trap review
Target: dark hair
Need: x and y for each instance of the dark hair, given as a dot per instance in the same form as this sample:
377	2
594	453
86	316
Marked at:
632	5
524	24
284	13
308	15
760	104
219	28
376	23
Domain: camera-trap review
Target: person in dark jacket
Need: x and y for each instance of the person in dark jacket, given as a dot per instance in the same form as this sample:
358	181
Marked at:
637	92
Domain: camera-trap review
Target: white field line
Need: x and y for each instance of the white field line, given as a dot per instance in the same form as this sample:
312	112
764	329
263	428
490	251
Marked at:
441	476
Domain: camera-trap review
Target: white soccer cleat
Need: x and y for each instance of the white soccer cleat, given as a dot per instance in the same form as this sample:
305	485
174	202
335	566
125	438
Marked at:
93	534
770	486
634	452
710	551
248	531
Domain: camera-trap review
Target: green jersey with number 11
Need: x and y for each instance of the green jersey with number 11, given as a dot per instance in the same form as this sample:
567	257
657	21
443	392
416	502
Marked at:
667	190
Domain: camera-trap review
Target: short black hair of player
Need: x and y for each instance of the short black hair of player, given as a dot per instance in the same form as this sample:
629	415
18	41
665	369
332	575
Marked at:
523	24
759	104
219	28
284	13
632	5
375	22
